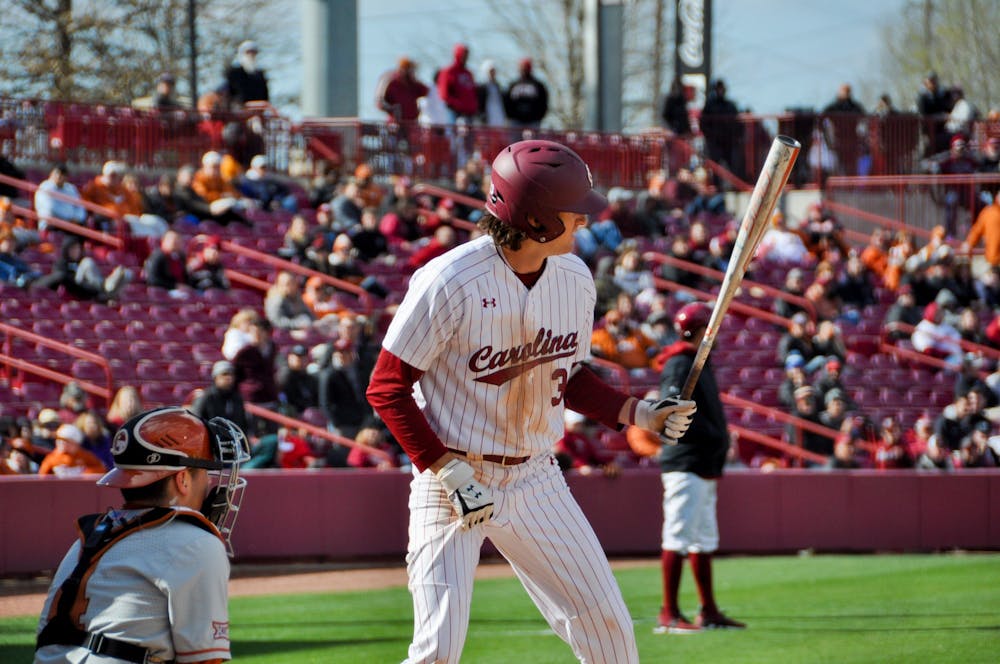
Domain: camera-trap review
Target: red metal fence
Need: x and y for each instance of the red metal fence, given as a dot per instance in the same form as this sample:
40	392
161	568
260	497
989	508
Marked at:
833	145
87	135
918	202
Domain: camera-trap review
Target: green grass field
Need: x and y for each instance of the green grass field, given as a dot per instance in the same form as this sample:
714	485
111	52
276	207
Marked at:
836	609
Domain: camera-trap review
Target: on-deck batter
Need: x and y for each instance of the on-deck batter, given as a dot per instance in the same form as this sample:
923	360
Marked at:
148	582
486	350
691	470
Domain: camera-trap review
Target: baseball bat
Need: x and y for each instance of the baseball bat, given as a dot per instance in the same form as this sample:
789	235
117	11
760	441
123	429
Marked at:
772	179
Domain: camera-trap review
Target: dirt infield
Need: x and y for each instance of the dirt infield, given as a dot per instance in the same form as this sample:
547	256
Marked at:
24	598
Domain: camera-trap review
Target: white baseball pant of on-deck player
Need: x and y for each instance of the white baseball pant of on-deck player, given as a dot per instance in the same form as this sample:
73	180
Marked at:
495	343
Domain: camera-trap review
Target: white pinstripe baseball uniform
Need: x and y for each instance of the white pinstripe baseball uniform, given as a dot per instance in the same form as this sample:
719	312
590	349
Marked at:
496	357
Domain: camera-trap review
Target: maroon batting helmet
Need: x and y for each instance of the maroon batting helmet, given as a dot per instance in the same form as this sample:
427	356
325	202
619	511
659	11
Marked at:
536	180
690	318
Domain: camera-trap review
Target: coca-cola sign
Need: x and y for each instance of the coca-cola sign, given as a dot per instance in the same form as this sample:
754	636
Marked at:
693	38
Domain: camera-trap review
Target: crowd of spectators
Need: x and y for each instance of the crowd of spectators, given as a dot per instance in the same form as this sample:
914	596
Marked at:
456	95
356	228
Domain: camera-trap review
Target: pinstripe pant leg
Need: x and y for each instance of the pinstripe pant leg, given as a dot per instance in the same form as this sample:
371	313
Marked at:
441	561
559	560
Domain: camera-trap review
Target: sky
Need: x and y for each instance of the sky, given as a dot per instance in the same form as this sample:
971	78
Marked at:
773	54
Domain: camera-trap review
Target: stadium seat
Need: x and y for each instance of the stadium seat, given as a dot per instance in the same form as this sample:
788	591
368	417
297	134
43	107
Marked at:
50	329
46	393
79	330
144	350
167	331
157	394
86	370
14	308
44	309
206	352
183	370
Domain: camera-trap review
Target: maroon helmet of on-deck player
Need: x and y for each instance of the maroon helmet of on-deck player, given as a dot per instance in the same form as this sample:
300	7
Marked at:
535	181
691	317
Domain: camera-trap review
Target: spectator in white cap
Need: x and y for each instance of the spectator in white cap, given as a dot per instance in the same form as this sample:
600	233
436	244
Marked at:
69	459
246	81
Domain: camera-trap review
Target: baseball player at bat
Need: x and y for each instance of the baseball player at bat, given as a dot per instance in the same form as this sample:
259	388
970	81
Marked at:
148	582
488	347
690	471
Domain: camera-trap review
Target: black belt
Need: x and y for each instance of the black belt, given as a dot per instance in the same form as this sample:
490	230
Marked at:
107	646
501	459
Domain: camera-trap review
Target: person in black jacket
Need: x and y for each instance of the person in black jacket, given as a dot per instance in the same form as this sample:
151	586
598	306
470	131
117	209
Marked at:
527	99
246	81
222	399
675	111
342	396
80	275
690	469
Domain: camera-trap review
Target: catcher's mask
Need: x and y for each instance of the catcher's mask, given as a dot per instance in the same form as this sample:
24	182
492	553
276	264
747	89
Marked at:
161	442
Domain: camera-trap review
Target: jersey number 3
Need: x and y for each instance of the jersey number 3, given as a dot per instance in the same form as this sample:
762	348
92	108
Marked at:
561	377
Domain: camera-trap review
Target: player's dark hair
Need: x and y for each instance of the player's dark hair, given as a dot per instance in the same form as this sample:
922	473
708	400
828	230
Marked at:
151	493
503	234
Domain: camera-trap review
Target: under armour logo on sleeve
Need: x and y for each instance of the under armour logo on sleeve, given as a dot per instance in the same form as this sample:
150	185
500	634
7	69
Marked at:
489	302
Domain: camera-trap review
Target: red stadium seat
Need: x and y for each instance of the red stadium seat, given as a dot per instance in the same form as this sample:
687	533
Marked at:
144	350
86	370
78	329
157	394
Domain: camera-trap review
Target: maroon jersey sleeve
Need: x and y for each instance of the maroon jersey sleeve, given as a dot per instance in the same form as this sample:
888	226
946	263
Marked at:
390	393
588	395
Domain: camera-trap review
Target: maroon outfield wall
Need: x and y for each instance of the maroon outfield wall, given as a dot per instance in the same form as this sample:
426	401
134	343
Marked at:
354	514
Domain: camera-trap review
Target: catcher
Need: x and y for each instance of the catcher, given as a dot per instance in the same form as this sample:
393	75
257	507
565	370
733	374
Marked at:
148	582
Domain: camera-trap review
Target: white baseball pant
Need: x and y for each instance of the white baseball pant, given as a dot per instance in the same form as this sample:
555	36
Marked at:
541	530
689	519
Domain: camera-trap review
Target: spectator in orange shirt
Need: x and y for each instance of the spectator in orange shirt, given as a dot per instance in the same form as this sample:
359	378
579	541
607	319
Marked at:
899	253
69	459
620	341
875	256
370	193
986	228
219	193
108	190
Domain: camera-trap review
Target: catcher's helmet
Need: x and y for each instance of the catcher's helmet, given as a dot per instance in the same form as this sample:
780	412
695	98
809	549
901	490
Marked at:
163	441
690	318
536	180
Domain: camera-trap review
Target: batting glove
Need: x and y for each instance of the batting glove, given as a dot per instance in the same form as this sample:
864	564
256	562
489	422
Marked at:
472	501
669	417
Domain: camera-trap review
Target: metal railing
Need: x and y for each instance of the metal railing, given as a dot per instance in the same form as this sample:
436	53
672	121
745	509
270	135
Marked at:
747	285
313	430
916	203
890	346
10	363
